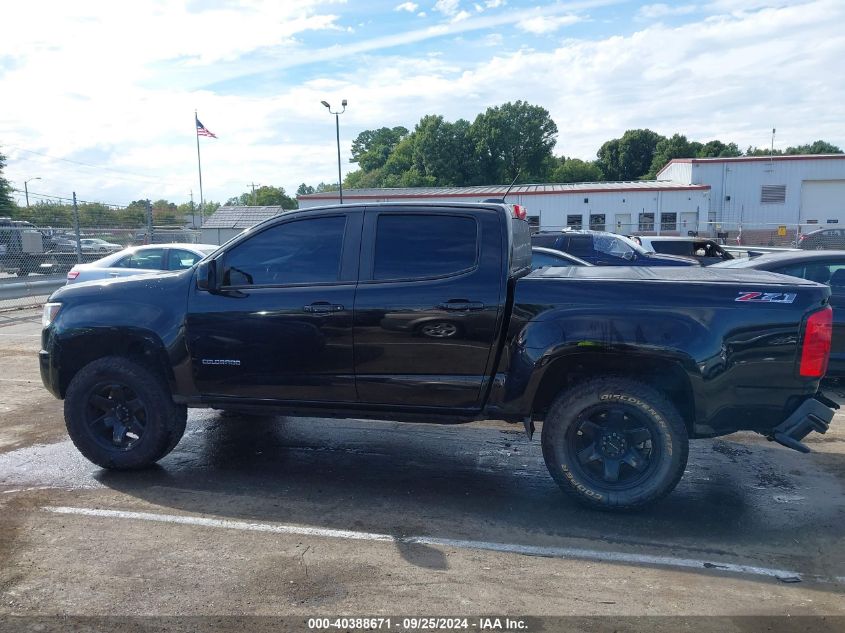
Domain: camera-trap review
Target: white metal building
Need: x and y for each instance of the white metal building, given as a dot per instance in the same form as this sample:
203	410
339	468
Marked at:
759	191
227	222
622	207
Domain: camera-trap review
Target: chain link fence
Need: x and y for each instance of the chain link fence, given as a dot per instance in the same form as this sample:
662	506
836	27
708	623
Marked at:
35	259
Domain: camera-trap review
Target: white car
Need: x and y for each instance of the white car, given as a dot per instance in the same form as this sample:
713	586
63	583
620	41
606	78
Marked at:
141	260
96	245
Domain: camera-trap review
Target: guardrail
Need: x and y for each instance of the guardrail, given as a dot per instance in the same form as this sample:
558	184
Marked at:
38	287
745	251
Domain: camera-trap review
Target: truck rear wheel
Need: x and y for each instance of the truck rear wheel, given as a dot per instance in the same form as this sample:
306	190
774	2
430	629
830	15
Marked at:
615	444
120	414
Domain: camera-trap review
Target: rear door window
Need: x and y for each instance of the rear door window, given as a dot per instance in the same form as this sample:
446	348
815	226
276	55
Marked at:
411	246
180	259
150	259
669	247
546	241
580	245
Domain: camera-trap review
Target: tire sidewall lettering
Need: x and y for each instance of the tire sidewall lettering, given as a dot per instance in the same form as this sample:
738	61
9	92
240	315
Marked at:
653	413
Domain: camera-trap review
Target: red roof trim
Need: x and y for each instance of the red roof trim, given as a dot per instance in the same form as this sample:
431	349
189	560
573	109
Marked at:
513	193
749	159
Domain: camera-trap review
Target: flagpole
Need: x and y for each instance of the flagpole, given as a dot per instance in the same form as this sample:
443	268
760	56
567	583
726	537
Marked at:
199	166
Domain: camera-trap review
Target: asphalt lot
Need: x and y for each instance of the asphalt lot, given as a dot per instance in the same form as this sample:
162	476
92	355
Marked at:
271	516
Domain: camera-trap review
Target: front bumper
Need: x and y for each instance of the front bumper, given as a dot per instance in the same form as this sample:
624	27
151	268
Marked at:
814	414
49	373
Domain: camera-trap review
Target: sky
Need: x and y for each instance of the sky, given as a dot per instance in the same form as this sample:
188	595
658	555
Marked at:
98	97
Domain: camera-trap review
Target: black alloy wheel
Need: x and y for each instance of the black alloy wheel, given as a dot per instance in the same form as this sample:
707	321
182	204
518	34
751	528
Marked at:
615	444
115	415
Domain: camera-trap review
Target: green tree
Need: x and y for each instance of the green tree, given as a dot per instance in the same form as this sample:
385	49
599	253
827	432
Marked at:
165	212
718	149
575	170
7	205
442	151
514	138
372	148
264	196
628	157
676	146
816	147
304	190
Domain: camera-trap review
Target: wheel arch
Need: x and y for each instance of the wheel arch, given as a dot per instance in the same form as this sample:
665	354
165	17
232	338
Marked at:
668	375
142	346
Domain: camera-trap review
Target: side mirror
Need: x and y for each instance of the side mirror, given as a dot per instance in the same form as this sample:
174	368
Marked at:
207	275
629	255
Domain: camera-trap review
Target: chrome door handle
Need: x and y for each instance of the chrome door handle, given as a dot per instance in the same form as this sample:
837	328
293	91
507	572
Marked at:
322	307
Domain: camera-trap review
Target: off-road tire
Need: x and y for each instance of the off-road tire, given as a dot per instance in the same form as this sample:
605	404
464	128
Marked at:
669	435
164	420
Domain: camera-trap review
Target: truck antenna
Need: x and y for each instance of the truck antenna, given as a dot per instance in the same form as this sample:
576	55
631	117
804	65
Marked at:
512	184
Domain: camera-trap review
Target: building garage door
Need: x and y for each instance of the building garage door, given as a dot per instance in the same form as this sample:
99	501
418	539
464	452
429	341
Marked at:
823	202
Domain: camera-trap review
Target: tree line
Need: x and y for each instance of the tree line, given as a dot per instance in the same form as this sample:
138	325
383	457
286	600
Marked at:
512	141
515	141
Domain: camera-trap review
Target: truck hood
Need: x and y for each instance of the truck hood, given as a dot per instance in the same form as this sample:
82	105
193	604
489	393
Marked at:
149	287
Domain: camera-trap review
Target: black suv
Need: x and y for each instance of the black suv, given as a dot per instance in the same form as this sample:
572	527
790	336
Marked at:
606	249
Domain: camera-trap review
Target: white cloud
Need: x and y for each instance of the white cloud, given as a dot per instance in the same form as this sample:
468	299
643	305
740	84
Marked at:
492	4
410	7
732	76
661	10
541	25
461	16
447	7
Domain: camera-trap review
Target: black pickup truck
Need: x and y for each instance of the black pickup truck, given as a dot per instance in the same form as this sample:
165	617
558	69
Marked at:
430	313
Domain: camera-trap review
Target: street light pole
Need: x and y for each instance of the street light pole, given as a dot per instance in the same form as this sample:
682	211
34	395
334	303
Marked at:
337	130
26	189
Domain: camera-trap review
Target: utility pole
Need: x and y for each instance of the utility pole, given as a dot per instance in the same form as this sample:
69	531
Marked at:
76	230
772	150
149	222
193	214
26	189
253	194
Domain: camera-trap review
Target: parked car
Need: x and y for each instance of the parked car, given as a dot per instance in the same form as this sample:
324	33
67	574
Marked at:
605	249
622	364
822	239
825	267
96	245
705	250
542	257
139	260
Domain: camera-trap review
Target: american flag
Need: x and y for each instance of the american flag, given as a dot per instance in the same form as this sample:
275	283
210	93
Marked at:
203	131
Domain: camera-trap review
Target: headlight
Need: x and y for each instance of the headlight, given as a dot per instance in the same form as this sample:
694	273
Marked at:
50	312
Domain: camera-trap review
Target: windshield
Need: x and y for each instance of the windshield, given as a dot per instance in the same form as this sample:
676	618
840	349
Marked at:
616	245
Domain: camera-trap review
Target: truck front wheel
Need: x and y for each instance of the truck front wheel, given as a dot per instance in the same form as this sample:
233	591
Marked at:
120	414
615	444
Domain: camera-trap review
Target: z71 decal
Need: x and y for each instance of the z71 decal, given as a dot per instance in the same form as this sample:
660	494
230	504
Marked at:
767	297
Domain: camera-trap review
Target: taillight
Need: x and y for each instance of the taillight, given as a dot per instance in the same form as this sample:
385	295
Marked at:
73	274
815	351
801	237
519	212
